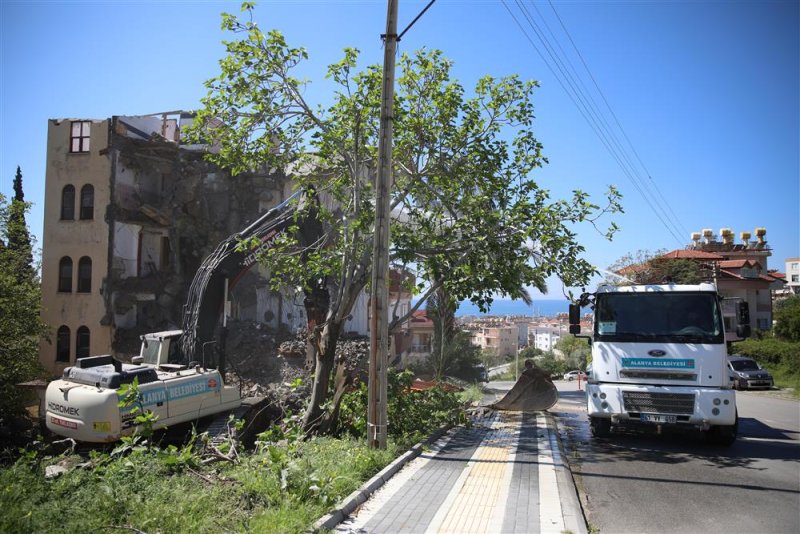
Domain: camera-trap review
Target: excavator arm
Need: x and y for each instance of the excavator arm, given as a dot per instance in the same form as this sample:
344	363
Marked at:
226	265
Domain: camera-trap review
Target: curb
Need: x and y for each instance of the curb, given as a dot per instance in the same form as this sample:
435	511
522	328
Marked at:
574	518
360	496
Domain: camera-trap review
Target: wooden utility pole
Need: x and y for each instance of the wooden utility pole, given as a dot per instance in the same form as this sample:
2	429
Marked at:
379	298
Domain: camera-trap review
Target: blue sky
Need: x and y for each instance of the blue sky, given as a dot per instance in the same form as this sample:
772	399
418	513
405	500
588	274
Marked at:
708	92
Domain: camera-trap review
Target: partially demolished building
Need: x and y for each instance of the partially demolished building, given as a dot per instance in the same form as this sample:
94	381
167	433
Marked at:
131	210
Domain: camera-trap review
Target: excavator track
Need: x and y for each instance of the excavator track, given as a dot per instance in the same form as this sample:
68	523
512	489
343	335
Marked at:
223	424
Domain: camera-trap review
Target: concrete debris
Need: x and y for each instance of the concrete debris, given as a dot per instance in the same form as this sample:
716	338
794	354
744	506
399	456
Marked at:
268	363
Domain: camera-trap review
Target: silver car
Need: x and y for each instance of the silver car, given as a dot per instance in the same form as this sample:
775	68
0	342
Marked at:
745	373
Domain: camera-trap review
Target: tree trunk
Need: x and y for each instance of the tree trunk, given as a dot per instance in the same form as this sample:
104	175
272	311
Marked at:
325	340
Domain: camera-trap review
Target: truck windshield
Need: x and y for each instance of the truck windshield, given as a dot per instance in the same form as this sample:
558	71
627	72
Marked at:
681	317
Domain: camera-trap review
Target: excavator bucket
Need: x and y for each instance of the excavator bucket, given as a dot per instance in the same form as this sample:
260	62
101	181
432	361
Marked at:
533	392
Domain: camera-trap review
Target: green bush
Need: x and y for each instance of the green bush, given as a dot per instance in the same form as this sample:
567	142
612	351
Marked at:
411	415
787	319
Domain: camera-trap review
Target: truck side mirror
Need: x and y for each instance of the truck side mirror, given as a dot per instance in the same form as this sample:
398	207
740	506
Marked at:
743	328
574	319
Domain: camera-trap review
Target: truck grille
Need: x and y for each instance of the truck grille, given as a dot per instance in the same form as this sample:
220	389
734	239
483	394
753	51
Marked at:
648	402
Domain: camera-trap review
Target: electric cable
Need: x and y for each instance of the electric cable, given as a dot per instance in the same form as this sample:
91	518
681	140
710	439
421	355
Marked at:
588	108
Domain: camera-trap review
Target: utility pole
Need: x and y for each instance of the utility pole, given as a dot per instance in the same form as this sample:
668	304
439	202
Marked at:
379	298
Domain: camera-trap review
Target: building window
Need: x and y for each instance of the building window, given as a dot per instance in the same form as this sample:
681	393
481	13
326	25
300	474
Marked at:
68	203
82	343
65	275
87	202
795	278
85	275
79	136
62	344
795	265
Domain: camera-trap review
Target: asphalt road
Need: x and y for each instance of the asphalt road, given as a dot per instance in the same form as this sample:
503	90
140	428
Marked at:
637	482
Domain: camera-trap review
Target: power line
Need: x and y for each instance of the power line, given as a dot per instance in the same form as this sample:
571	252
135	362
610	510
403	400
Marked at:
572	84
675	218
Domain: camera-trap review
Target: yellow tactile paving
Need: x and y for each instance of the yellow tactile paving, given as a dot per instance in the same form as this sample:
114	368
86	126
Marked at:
475	504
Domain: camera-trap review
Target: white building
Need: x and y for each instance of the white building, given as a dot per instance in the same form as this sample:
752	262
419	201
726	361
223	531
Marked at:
545	338
793	275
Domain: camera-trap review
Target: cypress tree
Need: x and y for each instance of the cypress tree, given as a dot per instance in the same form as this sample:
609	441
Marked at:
18	237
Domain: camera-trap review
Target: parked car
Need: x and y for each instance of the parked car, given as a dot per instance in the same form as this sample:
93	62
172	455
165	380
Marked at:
483	373
572	375
745	373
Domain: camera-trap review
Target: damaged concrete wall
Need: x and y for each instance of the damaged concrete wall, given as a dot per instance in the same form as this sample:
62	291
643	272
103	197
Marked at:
170	209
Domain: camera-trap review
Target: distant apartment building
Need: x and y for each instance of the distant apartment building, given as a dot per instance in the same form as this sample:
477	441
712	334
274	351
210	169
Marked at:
545	337
414	341
500	339
793	275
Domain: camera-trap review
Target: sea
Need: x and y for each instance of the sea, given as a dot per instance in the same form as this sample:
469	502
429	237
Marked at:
502	307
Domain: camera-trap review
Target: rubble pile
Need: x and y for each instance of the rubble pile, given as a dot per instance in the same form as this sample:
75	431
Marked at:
266	363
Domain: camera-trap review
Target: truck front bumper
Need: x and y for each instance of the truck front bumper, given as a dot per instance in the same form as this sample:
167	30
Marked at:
628	403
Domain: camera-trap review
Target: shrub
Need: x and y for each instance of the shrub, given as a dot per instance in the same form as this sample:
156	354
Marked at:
787	319
410	414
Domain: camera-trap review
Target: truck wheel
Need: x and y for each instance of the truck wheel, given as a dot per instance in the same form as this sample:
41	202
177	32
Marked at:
723	435
600	427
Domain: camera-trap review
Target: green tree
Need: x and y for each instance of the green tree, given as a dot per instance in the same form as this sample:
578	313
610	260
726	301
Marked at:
18	238
20	300
441	310
645	267
466	213
576	351
787	319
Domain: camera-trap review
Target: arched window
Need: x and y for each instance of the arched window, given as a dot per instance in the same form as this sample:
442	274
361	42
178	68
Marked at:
65	275
68	203
62	344
82	342
87	202
85	275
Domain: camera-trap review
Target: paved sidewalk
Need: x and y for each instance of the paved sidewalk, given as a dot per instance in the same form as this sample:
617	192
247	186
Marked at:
502	475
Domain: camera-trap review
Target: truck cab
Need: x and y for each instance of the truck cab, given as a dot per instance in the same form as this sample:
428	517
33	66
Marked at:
659	357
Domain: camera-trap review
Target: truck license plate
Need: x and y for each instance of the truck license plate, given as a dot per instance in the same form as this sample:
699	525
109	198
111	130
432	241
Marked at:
657	418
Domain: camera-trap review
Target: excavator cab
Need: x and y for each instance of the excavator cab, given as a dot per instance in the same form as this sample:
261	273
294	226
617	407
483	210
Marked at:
161	350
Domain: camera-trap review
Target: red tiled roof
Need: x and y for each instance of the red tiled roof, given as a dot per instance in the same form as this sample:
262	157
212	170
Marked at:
738	264
686	254
420	317
760	278
778	275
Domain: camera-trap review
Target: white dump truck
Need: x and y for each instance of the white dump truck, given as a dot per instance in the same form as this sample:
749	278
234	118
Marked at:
659	357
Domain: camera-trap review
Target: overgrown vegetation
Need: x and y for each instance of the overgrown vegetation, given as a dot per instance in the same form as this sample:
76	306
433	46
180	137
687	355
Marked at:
283	485
20	302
